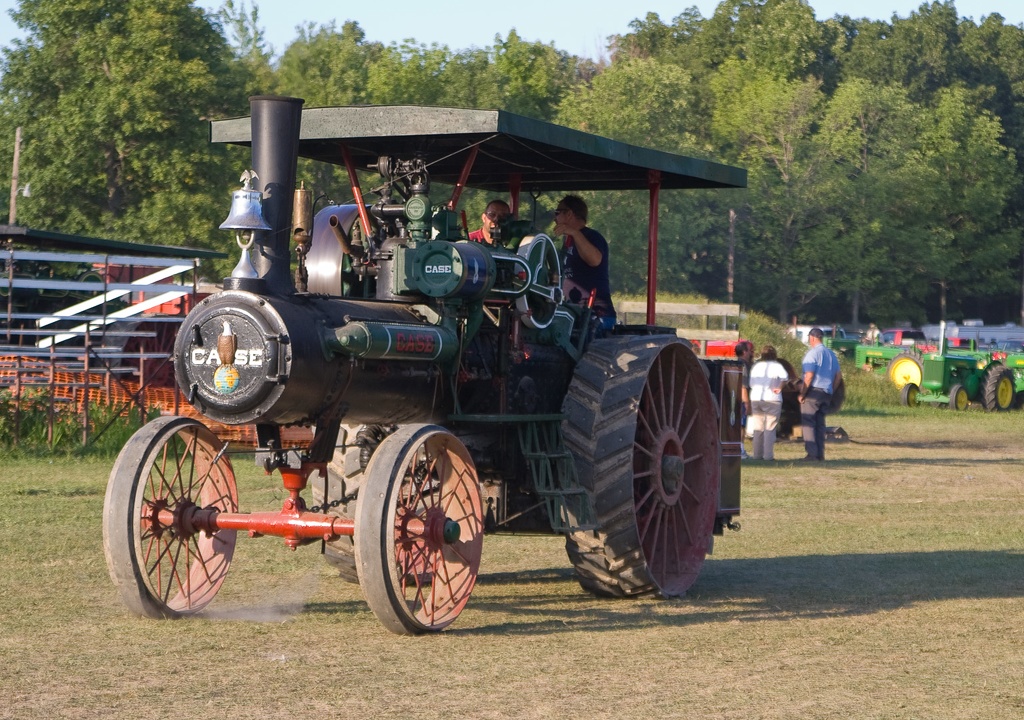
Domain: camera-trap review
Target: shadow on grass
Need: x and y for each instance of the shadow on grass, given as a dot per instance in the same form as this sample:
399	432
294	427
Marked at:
755	590
869	412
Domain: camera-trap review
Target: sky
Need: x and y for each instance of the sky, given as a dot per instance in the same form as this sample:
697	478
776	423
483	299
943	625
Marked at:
578	28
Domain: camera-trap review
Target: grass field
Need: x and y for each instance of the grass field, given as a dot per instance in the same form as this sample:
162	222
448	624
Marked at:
886	583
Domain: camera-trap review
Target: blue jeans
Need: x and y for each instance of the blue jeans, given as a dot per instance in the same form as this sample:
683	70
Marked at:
812	421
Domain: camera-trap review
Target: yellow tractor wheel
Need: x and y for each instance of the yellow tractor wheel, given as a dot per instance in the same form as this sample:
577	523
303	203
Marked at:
905	368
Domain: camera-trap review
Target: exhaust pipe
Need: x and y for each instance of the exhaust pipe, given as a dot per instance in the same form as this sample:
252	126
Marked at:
275	154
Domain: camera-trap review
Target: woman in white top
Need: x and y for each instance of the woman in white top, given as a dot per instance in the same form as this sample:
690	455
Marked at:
766	380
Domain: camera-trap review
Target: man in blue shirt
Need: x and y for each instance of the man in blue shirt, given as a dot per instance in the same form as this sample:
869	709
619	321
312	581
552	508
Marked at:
585	256
821	375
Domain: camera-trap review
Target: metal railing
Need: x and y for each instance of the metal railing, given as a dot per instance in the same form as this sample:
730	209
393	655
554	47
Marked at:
92	328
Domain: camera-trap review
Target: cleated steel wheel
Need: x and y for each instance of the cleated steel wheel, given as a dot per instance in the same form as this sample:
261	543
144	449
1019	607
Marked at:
161	568
419	530
641	423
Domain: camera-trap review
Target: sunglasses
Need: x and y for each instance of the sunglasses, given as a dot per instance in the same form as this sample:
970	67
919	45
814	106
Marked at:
559	211
496	216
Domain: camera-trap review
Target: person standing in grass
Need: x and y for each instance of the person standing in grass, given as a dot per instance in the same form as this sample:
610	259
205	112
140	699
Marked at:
745	354
767	377
821	375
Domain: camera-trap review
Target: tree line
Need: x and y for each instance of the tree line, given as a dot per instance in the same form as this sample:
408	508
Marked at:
884	157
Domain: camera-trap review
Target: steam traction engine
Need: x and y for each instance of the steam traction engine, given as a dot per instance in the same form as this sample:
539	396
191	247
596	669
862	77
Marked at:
453	389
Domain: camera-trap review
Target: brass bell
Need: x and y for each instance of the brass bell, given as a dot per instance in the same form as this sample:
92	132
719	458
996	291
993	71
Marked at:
246	207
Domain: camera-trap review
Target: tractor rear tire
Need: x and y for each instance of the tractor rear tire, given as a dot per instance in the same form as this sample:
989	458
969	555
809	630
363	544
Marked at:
998	393
905	368
641	423
908	395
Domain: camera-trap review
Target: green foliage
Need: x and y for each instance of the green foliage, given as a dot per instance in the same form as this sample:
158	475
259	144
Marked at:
763	330
325	66
111	97
26	424
868	391
252	54
657	116
848	199
885	157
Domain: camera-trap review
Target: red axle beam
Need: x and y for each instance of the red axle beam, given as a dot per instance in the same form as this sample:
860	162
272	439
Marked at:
293	522
297	527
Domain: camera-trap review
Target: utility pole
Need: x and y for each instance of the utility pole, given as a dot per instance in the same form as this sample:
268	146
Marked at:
14	177
730	281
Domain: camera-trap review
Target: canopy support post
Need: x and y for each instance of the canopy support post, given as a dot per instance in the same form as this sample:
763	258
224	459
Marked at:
464	177
357	193
515	185
654	185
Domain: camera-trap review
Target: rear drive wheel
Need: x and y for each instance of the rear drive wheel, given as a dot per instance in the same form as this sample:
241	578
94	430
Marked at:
958	399
905	368
998	393
641	423
339	494
908	395
419	530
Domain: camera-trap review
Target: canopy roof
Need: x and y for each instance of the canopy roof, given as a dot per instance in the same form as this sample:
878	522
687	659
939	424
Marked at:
547	157
39	239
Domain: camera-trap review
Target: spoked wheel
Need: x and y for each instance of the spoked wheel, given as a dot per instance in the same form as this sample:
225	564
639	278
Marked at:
905	368
160	566
642	426
419	530
544	294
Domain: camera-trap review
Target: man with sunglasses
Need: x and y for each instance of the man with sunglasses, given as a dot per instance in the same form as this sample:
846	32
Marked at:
585	259
496	212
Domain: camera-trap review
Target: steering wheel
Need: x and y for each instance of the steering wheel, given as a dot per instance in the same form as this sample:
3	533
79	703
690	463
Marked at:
544	294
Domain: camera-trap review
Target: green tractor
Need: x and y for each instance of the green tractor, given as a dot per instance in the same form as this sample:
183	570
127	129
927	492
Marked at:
958	379
901	365
1013	358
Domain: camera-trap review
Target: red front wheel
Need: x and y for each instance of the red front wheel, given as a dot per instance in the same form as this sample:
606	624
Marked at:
168	468
419	530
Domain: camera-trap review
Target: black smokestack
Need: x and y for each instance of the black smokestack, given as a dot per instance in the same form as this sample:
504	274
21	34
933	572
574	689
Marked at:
275	154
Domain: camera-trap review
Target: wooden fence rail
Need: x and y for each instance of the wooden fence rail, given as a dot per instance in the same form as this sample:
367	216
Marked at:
698	329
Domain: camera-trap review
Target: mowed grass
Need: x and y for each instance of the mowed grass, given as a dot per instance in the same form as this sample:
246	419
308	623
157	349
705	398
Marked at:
886	583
